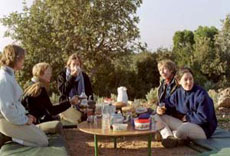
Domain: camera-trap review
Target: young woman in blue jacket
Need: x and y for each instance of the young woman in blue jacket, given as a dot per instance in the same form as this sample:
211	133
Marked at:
197	120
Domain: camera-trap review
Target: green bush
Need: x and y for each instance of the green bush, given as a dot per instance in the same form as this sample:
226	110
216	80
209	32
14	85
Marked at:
151	97
214	95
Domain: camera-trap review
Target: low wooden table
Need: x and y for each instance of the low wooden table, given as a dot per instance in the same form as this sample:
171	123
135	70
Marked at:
96	130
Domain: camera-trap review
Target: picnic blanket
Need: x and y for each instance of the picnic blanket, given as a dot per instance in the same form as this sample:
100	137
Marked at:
68	124
218	144
222	152
56	148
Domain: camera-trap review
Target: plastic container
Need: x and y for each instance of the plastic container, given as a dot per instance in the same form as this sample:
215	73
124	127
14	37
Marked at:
142	124
105	122
119	127
84	101
117	118
108	109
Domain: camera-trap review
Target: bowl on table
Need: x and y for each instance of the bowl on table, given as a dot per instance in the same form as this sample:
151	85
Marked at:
141	110
142	124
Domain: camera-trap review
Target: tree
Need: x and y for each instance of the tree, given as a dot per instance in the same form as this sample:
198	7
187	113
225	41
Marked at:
183	47
147	74
223	50
100	30
164	53
205	58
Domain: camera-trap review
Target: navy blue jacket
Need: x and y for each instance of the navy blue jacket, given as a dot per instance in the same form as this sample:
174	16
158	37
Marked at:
196	105
164	91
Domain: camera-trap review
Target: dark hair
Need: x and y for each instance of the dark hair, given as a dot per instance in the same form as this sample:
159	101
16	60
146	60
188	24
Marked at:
181	72
11	54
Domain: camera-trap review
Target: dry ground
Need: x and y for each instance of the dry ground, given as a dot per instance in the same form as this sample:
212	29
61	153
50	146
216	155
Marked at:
81	144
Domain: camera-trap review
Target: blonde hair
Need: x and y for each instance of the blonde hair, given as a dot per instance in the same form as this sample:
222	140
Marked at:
35	89
11	55
74	56
40	68
168	64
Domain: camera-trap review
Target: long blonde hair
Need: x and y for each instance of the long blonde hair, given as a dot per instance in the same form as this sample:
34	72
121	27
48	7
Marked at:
34	89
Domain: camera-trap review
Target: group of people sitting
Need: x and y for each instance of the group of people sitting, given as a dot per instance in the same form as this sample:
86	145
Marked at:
26	116
185	108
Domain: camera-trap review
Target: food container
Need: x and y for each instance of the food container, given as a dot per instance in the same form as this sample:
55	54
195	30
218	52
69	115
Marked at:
119	127
116	118
142	124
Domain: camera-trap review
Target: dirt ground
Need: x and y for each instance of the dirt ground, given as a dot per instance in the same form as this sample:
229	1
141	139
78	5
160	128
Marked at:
81	144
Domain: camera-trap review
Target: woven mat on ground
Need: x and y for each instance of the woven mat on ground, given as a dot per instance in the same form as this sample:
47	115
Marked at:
222	152
218	144
56	148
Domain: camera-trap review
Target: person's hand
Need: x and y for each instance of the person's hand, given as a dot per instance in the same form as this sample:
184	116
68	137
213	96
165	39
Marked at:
161	110
31	119
74	71
184	118
74	100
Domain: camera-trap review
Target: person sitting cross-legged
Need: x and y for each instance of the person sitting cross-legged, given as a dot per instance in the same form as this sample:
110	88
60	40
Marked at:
197	120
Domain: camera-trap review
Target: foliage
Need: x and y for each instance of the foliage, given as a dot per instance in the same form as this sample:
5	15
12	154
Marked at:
183	47
163	53
205	52
151	96
100	30
223	49
147	75
105	34
214	95
205	58
114	97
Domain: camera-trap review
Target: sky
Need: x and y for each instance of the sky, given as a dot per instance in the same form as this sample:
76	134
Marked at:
159	19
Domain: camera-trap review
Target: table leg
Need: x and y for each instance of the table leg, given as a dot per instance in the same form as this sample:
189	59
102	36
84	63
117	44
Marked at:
149	145
115	142
95	145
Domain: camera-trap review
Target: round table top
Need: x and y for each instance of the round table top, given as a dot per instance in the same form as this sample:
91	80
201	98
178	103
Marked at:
96	129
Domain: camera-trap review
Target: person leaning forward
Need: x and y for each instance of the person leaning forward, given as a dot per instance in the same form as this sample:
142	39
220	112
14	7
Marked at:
36	100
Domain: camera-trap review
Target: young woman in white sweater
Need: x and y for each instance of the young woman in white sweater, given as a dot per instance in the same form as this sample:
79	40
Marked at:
14	120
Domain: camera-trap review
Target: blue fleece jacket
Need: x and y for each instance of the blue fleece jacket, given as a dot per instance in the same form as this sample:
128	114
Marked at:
196	105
